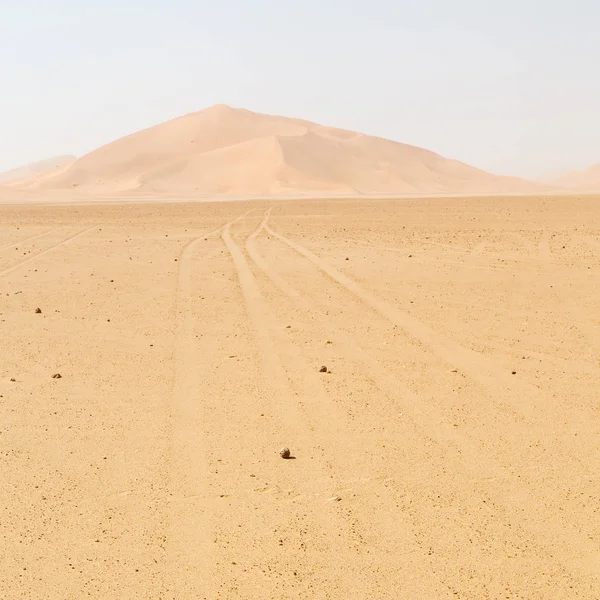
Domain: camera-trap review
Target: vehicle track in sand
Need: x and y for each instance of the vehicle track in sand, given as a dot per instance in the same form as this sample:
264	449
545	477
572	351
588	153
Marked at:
469	361
522	401
308	414
189	537
492	480
37	255
29	239
480	368
435	427
151	469
425	416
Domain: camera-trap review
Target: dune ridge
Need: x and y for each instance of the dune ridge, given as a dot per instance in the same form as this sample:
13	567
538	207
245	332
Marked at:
224	151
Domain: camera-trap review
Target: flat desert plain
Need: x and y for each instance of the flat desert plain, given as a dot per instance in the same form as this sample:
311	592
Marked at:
450	451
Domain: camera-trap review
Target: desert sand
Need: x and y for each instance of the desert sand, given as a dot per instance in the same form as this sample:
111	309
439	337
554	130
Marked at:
50	166
223	151
585	180
451	451
9	194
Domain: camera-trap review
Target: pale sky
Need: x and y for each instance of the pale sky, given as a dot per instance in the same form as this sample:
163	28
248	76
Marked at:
509	86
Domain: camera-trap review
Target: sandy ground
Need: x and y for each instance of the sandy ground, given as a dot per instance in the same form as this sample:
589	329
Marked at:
451	452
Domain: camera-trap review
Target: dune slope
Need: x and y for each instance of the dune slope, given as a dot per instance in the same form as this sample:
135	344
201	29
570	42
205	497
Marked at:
587	179
35	169
227	151
11	194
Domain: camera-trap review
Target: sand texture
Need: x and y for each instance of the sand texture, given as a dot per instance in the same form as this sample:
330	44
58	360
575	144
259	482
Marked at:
36	170
222	151
13	195
450	451
585	180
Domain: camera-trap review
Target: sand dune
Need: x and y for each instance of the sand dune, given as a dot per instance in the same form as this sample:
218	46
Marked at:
11	194
587	179
227	151
25	173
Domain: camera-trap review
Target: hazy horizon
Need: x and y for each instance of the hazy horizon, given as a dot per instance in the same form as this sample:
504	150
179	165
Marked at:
506	89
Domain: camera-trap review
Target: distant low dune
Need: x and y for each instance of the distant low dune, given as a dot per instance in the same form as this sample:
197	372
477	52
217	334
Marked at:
587	179
11	194
222	151
36	169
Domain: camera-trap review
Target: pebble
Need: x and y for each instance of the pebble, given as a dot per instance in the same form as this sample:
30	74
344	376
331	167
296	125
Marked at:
285	452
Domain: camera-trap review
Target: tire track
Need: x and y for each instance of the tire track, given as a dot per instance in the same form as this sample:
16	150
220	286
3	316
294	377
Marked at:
436	428
264	325
469	361
306	421
464	452
189	541
522	401
21	263
476	366
29	239
371	365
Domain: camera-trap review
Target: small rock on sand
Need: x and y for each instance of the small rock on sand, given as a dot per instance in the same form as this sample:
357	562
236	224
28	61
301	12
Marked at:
38	311
285	452
57	376
323	369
